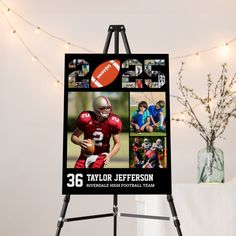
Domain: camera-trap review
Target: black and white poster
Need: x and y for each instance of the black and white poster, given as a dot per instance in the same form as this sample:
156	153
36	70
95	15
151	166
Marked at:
116	124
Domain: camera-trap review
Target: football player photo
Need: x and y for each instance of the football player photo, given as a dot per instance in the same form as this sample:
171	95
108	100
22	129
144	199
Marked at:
98	131
148	152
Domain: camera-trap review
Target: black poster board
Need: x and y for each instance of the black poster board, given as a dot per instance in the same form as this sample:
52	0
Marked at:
110	99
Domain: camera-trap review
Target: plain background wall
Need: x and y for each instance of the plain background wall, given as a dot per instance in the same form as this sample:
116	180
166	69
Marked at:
31	116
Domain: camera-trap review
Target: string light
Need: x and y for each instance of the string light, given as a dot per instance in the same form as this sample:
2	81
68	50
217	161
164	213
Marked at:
224	45
44	30
34	58
182	115
226	48
88	50
56	83
197	56
68	44
37	30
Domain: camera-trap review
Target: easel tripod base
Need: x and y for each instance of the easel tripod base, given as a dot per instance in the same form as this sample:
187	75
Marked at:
115	214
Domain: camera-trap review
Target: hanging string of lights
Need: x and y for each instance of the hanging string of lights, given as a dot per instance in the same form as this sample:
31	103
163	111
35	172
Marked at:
41	29
68	43
7	10
198	53
34	57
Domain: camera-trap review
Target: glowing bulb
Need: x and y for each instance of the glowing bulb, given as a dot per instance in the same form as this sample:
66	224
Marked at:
67	45
37	29
225	50
34	58
56	83
197	56
8	11
226	47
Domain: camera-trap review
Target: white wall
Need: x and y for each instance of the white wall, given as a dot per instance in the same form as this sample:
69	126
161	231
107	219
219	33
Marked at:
31	115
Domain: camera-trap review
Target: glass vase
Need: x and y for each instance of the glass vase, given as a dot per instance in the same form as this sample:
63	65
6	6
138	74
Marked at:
210	165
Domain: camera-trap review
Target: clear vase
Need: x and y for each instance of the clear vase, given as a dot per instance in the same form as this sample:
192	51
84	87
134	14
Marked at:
210	165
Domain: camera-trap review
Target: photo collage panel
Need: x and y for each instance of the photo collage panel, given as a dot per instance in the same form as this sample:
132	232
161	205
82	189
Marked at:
116	137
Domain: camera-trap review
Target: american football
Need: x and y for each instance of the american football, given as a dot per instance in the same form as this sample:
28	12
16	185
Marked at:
105	74
90	149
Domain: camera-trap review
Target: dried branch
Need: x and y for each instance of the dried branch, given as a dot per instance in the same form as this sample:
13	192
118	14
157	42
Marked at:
219	104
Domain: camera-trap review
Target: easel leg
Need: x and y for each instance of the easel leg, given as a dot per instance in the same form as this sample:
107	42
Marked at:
116	29
116	42
108	39
125	40
115	211
62	215
174	214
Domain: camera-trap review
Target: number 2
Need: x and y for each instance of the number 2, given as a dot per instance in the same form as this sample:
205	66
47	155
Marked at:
115	119
85	115
97	138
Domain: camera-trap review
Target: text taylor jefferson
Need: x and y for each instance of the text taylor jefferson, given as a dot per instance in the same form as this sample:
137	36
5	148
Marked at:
120	177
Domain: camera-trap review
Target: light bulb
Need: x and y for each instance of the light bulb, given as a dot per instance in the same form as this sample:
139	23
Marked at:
225	49
67	45
56	83
197	56
37	29
8	11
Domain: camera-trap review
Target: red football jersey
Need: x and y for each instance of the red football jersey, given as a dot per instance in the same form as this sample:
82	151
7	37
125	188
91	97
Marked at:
136	147
150	153
139	84
99	132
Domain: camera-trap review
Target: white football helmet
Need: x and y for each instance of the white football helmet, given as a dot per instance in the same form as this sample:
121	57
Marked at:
159	141
102	107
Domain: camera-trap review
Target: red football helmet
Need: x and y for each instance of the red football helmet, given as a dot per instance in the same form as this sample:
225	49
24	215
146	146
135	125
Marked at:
102	107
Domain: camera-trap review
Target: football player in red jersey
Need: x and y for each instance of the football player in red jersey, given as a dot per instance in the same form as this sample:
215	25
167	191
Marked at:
139	83
98	125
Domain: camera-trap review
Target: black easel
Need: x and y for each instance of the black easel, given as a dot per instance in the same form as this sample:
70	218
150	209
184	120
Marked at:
117	29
